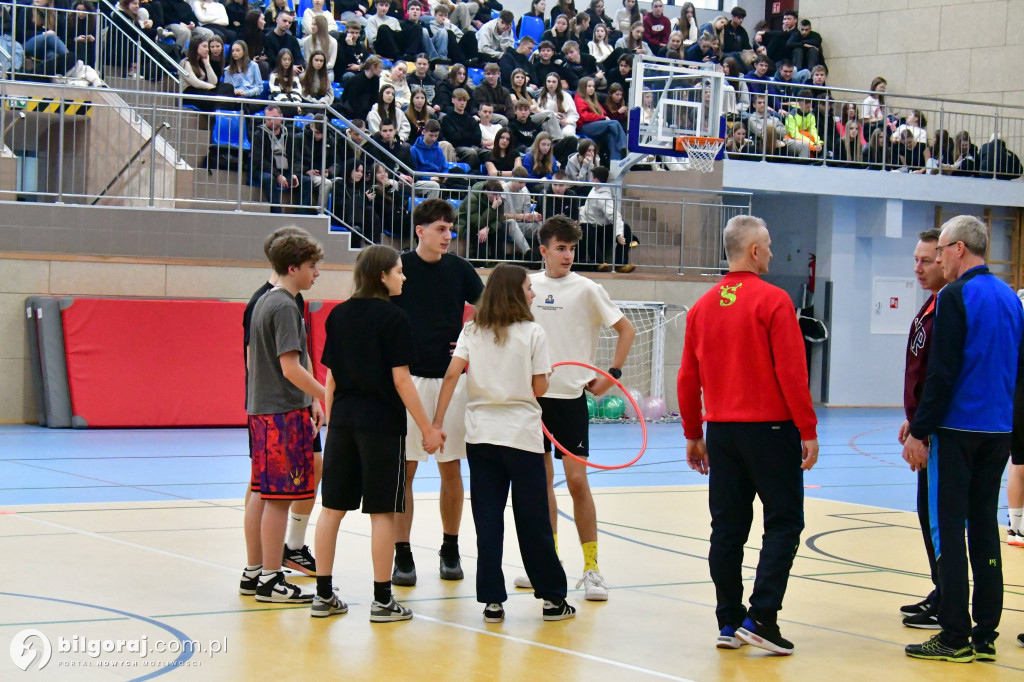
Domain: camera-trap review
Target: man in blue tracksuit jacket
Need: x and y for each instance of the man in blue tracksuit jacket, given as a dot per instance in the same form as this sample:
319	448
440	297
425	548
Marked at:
967	414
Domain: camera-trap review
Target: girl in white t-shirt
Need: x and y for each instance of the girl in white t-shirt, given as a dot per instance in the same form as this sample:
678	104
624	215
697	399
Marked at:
507	356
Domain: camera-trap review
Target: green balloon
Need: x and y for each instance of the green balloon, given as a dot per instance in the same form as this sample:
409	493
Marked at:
612	407
591	406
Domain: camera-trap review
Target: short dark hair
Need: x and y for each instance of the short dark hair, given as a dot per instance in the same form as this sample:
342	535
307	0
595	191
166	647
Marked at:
739	12
432	210
762	59
385	122
294	250
805	94
791	13
805	22
431	126
507	17
628	58
493	185
784	62
929	235
548	43
372	262
561	228
599	173
280	232
520	172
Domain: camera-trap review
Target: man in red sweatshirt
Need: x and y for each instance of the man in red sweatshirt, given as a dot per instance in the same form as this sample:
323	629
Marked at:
744	351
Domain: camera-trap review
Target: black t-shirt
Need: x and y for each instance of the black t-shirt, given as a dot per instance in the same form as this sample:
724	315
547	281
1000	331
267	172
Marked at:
366	338
434	296
247	321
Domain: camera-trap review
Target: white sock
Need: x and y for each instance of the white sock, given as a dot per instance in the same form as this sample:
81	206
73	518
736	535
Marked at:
1015	517
266	575
296	535
253	570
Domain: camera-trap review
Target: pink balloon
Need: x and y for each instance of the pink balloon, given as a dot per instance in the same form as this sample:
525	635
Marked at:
639	398
654	407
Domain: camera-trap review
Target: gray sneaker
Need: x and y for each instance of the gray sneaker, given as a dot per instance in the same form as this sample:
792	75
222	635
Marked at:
389	613
322	608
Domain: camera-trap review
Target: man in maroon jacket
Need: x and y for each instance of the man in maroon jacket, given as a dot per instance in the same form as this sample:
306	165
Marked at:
743	349
924	614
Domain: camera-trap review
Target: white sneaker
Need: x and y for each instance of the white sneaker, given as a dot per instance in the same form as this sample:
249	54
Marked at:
594	588
522	582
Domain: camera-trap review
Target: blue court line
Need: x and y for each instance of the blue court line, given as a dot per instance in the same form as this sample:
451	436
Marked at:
186	651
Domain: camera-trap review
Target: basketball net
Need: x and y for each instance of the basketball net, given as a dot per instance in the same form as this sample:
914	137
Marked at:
700	150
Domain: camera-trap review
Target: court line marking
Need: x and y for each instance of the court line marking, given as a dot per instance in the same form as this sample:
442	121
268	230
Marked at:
134	545
550	647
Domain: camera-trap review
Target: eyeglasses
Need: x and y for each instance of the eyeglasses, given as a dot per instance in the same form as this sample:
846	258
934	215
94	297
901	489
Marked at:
940	247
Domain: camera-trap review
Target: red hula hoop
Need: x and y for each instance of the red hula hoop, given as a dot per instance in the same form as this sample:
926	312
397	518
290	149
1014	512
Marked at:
643	422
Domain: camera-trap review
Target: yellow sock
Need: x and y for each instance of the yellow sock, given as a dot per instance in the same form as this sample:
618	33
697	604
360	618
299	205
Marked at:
590	556
556	543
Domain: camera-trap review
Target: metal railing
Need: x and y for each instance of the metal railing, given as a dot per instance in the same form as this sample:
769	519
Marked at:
904	133
107	40
86	145
666	228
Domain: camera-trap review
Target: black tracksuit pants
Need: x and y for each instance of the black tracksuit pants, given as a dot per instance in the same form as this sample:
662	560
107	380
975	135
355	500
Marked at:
748	459
924	519
965	471
492	470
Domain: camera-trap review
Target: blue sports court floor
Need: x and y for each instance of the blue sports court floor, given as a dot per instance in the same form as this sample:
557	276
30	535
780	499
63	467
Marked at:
116	535
860	462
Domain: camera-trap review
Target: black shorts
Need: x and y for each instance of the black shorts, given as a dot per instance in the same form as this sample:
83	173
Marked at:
317	444
569	422
366	466
1016	456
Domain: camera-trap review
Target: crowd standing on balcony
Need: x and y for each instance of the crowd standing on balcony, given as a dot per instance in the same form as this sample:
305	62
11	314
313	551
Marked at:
548	95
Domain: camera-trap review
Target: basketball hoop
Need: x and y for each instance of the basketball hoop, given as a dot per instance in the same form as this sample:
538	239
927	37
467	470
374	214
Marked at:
701	151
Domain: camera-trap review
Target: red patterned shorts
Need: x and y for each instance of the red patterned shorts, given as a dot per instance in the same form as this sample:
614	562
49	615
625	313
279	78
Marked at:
282	455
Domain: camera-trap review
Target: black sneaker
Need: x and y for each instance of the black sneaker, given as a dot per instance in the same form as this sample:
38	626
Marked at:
300	560
727	639
250	581
1020	639
561	610
764	636
451	566
984	650
389	613
404	572
279	591
935	650
494	613
926	620
914	609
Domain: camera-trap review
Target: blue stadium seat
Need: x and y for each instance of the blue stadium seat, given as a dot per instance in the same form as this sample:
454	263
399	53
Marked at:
464	167
338	123
476	76
266	90
495	14
337	90
228	128
301	121
531	26
303	6
387	63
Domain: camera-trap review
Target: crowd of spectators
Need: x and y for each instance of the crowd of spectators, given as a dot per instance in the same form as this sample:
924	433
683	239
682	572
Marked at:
450	87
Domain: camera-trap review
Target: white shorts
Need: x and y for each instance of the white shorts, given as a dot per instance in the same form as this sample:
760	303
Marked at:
454	421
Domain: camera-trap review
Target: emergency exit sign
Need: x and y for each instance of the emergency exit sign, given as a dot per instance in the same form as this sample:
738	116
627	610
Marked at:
776	7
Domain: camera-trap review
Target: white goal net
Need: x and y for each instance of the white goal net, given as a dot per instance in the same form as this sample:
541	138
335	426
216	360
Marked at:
645	366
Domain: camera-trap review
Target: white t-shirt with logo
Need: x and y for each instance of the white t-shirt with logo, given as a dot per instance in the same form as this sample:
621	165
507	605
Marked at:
571	310
501	408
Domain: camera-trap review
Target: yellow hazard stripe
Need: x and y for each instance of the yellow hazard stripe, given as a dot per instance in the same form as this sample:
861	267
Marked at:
51	106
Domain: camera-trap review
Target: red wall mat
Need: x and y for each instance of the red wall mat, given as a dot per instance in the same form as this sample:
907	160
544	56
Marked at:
154	363
318	312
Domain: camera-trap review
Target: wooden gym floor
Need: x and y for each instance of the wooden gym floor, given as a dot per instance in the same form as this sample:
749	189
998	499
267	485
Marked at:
125	535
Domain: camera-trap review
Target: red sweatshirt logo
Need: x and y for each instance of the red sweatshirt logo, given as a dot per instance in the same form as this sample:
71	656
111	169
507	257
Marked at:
728	294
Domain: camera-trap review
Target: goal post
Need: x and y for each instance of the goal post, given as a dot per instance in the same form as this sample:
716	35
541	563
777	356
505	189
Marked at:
645	367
